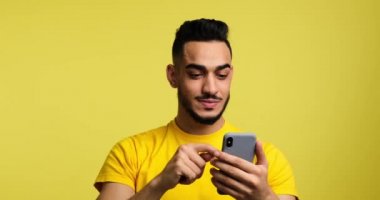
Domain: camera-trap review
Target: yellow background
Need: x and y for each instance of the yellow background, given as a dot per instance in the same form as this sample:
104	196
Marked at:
77	75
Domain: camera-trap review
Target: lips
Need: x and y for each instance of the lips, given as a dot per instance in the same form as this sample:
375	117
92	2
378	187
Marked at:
209	103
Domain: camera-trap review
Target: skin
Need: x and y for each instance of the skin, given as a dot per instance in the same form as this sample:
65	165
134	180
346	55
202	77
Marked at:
204	70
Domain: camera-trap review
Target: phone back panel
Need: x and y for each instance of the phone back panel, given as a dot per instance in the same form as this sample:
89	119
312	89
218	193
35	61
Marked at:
243	145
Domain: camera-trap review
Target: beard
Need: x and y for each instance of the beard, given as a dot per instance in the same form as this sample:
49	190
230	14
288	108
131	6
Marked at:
202	120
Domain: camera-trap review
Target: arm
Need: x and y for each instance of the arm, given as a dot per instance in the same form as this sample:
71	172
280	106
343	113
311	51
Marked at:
115	191
242	179
287	197
184	167
118	191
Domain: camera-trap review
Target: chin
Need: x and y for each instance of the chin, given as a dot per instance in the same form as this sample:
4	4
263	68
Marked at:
208	114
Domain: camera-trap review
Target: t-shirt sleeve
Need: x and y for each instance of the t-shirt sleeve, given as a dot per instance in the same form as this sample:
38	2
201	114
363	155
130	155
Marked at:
120	165
280	175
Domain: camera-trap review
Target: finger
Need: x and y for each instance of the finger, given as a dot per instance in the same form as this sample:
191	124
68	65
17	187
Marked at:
194	167
260	154
194	150
206	156
192	155
228	181
232	171
234	161
223	189
205	148
187	175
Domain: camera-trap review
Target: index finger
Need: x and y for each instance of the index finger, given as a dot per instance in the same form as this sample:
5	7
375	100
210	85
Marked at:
204	148
201	153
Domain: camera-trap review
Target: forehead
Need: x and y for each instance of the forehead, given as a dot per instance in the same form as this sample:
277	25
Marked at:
209	53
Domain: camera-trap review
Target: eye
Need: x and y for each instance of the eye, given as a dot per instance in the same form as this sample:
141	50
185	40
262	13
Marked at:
195	75
221	76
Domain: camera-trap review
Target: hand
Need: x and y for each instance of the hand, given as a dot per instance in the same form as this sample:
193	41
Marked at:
242	179
186	165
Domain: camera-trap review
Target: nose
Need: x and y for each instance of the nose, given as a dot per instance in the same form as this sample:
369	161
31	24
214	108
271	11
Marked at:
210	85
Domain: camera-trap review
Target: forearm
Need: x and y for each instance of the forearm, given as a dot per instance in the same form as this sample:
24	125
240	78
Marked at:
152	191
273	197
270	195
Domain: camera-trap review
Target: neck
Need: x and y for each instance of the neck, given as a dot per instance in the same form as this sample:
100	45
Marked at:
189	125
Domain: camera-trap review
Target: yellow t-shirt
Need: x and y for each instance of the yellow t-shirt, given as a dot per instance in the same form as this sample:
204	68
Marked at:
136	160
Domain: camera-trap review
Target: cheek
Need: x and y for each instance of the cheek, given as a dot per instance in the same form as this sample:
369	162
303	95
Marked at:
224	87
191	88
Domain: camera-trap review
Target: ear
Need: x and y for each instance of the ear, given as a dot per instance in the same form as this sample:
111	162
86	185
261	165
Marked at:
171	75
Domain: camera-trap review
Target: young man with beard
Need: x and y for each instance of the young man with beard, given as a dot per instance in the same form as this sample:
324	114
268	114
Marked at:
183	159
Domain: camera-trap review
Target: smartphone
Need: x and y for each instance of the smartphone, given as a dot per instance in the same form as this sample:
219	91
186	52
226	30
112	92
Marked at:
240	144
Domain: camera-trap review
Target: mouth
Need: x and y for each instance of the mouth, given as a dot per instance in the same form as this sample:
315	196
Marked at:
209	104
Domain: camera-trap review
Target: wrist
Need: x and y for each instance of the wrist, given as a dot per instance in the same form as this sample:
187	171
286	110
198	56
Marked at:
154	190
157	186
270	195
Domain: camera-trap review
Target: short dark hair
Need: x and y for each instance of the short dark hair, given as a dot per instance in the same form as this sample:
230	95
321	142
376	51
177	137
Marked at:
199	30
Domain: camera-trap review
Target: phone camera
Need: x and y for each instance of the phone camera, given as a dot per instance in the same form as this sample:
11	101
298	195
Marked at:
229	142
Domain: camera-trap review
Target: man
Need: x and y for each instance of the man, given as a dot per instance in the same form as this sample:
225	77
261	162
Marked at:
182	160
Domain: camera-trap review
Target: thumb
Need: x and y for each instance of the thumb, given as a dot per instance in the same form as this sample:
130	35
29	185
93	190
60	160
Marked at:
261	158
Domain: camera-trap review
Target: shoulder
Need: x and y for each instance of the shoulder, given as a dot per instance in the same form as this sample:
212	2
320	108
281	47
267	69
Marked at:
135	147
146	138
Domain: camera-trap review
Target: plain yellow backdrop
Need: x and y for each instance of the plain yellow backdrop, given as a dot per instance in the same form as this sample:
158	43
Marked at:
76	76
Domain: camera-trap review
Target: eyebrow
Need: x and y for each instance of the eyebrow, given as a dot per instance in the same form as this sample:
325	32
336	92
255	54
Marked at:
223	67
203	68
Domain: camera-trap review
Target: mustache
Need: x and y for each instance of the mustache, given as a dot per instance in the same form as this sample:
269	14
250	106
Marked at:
208	96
